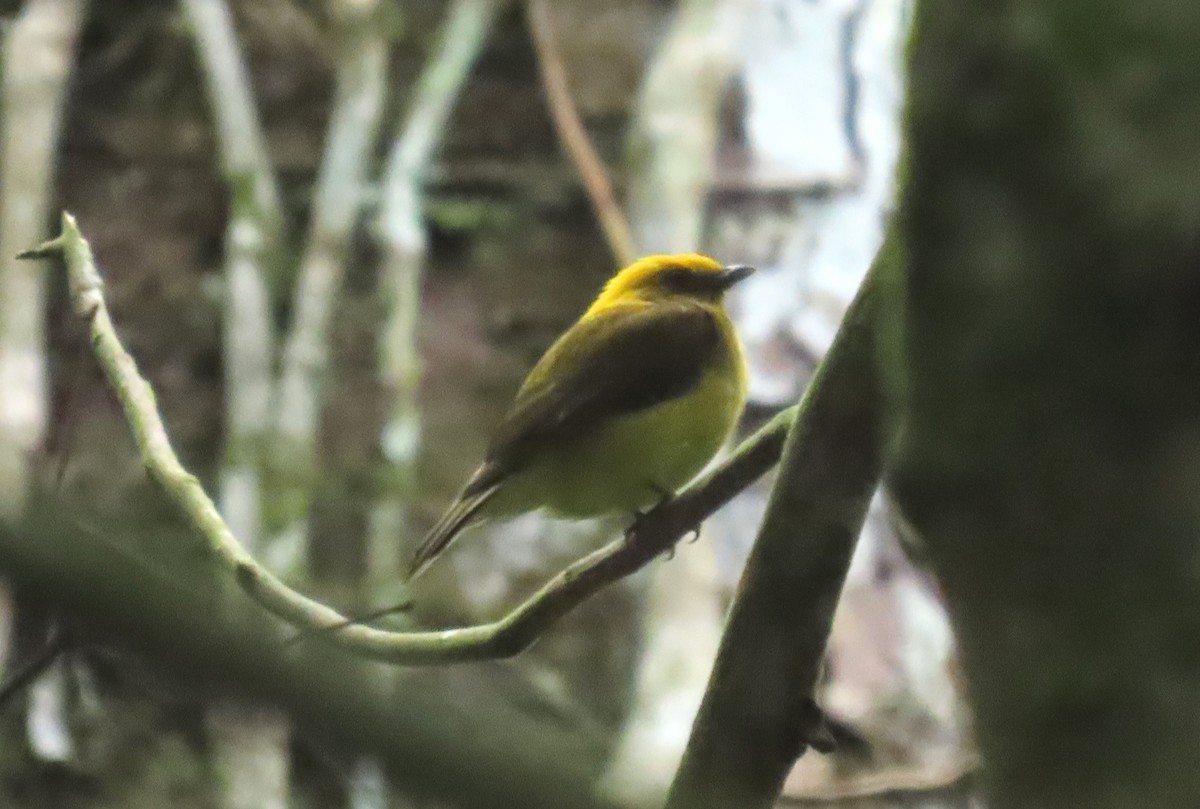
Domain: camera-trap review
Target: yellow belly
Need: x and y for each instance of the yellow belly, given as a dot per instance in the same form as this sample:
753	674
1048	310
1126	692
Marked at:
630	463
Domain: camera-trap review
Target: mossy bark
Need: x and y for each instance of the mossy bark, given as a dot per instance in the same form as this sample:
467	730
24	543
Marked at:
1051	385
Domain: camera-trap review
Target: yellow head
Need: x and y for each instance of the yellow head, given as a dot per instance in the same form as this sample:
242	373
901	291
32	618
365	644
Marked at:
688	275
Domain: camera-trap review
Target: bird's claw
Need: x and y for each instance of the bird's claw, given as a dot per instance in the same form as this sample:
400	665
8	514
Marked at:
639	518
690	538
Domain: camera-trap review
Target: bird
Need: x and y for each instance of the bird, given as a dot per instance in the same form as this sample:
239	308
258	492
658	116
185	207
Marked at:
625	407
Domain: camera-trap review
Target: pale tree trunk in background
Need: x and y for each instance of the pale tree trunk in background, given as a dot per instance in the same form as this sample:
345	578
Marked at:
400	231
361	70
673	142
250	743
681	629
675	127
242	145
250	758
890	660
823	85
369	787
39	50
803	133
823	88
290	433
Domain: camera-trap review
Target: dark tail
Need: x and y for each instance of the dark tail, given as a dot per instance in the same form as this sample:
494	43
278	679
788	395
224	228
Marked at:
447	528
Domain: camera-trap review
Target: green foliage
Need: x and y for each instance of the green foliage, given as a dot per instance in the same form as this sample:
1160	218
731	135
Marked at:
460	215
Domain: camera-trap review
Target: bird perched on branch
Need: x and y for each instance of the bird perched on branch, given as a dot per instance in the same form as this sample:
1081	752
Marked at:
627	406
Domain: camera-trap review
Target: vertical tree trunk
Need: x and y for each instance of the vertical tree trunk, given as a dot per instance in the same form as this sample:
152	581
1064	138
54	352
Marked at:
361	72
1051	378
38	54
400	231
250	755
250	744
676	124
39	51
362	57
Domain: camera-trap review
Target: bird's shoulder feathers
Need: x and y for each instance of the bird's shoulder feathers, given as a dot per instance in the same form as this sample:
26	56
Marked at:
616	362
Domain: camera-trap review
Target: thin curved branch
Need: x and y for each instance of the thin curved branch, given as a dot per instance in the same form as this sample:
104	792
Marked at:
654	534
574	136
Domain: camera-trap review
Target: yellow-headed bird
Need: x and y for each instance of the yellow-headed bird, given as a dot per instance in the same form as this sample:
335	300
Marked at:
627	406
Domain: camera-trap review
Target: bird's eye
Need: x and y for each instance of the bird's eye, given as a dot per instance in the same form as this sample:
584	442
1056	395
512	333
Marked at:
676	279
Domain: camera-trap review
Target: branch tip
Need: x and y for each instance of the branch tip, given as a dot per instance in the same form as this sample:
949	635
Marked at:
47	249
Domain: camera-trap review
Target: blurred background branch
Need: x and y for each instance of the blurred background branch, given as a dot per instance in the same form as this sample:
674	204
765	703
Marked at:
574	137
251	761
339	195
399	229
429	727
242	146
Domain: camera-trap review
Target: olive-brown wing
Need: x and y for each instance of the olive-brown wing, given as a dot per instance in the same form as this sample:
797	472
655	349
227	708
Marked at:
624	360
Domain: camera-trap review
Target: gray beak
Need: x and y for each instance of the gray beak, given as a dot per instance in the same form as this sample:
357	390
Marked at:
734	273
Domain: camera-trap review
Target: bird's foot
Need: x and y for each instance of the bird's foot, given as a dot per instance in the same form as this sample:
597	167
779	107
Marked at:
639	522
641	518
691	537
